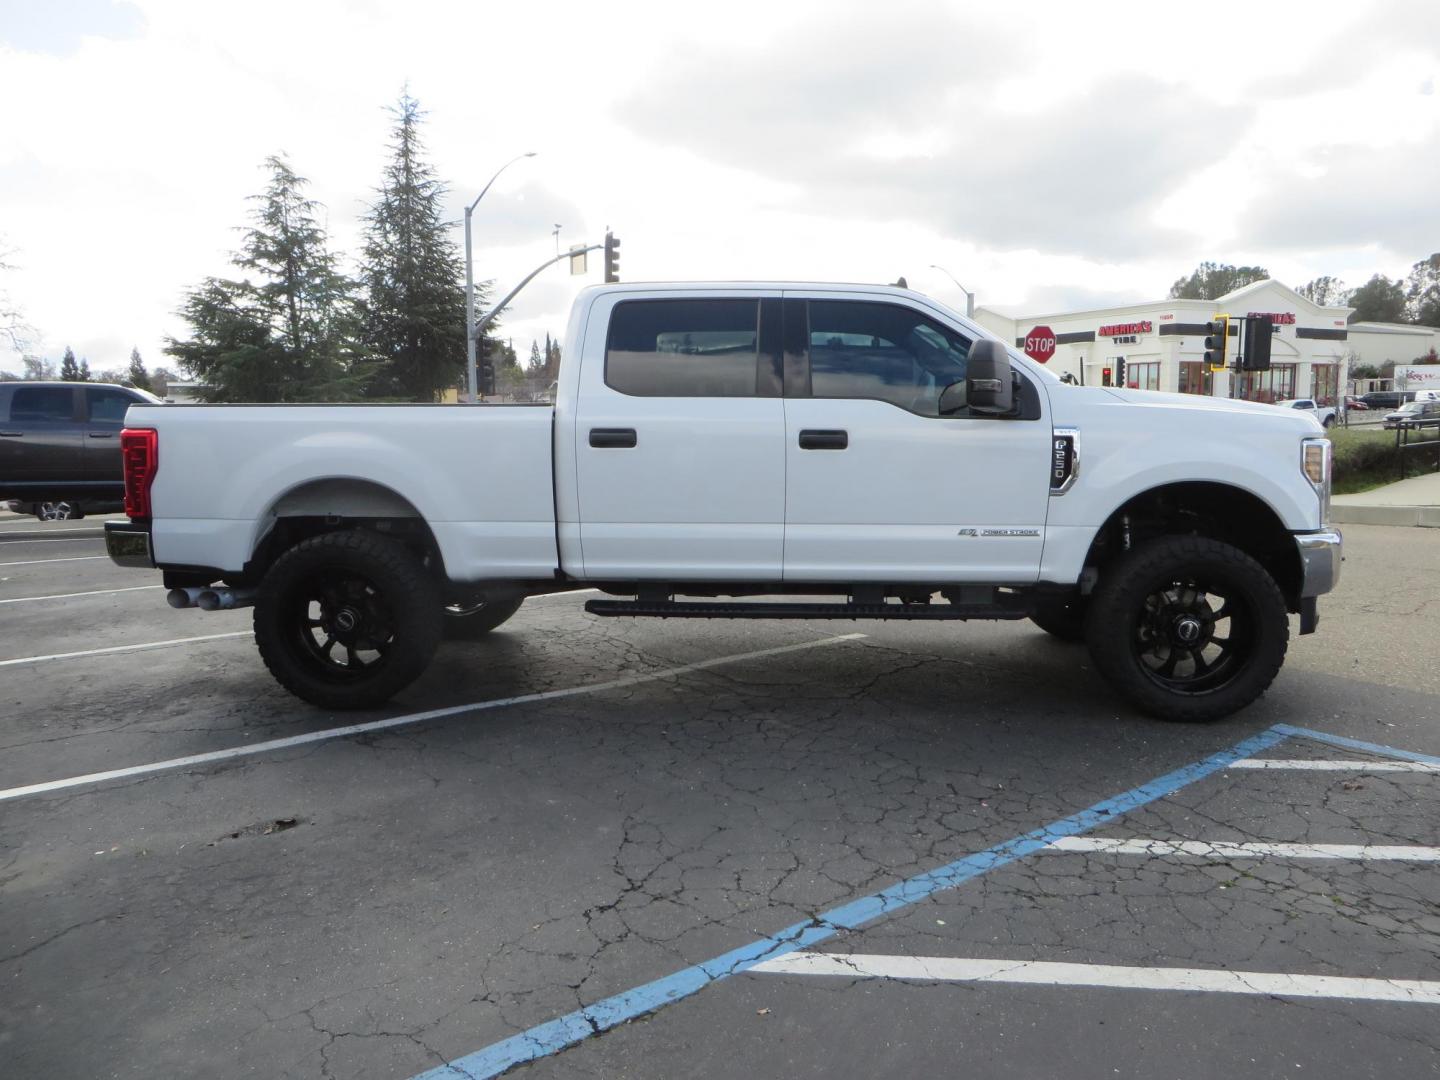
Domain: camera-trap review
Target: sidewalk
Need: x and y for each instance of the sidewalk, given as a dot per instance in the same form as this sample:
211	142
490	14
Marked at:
1406	502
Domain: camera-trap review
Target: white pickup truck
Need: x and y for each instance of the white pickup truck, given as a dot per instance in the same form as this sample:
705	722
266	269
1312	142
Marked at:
854	452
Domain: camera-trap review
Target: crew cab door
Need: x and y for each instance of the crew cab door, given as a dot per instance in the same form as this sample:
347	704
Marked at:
105	408
679	438
882	487
41	437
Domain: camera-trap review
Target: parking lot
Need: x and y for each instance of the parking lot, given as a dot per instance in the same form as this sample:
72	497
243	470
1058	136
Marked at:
592	847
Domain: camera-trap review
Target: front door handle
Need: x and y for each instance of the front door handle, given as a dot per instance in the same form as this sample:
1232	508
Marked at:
11	434
102	434
824	440
615	438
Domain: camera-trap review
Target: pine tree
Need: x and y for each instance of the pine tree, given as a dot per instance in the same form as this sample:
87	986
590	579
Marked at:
84	375
69	369
414	301
536	367
137	375
287	335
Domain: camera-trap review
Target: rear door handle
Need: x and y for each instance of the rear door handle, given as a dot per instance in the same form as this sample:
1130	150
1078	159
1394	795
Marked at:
616	438
824	440
11	434
102	434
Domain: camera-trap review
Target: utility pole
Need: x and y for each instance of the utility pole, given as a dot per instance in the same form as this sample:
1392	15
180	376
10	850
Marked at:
470	331
969	296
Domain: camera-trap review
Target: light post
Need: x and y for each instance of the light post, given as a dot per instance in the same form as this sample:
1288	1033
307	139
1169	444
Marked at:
470	335
969	296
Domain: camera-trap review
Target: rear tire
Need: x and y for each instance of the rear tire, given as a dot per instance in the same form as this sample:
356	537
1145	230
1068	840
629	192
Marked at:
58	511
468	622
346	620
1061	616
1188	628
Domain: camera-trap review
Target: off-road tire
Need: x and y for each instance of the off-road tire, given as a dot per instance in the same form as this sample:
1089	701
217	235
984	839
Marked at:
1126	624
462	623
1061	616
401	601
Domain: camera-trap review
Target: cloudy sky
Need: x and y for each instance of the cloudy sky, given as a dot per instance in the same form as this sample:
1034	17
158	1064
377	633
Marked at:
1046	154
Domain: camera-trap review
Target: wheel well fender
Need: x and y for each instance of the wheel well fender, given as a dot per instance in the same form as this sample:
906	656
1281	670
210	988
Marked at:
1219	511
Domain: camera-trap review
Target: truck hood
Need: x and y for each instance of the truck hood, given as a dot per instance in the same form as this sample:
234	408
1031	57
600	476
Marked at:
1195	405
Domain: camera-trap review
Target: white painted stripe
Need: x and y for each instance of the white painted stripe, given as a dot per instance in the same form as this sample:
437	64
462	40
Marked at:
411	718
1100	845
54	540
72	558
1336	765
141	647
1044	973
37	526
72	595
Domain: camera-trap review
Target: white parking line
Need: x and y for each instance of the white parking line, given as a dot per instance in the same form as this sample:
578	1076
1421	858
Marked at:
53	540
141	647
1044	973
1100	845
1336	765
72	595
72	558
411	718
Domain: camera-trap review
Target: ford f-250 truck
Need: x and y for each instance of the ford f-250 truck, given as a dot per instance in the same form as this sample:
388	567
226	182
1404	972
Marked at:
859	452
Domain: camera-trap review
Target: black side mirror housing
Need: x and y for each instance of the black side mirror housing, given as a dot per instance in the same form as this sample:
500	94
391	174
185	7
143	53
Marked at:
989	385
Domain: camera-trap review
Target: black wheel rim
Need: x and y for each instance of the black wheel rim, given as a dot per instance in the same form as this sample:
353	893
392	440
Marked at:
341	624
1193	636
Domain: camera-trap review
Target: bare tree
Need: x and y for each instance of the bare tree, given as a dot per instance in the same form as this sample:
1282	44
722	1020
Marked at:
14	331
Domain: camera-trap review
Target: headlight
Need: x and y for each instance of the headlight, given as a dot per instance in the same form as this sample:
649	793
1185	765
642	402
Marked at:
1315	457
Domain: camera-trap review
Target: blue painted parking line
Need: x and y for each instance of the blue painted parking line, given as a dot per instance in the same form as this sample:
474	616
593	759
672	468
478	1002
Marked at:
556	1035
1356	744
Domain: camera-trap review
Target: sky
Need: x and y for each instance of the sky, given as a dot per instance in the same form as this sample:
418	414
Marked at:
1046	155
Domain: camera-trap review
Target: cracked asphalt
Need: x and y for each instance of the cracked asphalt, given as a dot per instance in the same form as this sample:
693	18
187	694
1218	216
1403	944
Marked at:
379	904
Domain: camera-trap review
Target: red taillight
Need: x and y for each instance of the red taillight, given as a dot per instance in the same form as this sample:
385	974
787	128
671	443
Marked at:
140	450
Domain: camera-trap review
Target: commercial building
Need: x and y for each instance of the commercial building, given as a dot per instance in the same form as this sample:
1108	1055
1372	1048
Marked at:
1162	344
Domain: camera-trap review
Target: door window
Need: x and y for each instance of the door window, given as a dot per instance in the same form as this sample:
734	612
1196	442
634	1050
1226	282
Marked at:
684	348
883	352
107	406
43	404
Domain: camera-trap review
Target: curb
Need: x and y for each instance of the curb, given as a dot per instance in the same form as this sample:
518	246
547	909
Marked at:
1426	517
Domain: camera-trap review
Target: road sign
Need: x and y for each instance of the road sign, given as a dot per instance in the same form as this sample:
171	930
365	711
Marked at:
1040	344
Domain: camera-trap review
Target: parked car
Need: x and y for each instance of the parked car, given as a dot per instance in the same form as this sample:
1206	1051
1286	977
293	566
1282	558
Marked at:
1324	413
1388	399
60	446
1356	404
1412	412
861	451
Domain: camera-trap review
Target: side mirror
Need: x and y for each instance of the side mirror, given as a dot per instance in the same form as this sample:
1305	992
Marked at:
953	399
989	388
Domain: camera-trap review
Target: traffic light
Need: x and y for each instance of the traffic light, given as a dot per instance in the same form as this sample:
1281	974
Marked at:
1120	371
612	258
1258	332
1105	377
1217	342
484	372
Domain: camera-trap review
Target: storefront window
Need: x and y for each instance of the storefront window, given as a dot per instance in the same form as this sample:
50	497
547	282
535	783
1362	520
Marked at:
1324	383
1193	378
1143	376
1269	386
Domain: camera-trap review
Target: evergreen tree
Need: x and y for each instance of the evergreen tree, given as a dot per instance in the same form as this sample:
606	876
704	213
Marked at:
1325	291
1210	281
414	301
287	334
84	375
137	375
1423	291
1379	300
536	367
69	369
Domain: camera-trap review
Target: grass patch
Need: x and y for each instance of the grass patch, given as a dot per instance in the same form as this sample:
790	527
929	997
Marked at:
1367	458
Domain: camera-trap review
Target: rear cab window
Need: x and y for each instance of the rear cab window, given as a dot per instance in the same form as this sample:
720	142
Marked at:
42	405
684	348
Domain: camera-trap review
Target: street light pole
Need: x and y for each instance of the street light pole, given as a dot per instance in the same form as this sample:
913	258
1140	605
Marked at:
969	296
470	334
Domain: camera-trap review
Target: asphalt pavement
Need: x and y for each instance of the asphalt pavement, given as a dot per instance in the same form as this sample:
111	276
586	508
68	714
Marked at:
590	847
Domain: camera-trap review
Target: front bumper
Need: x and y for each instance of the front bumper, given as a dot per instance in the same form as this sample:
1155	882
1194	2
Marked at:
128	544
1321	554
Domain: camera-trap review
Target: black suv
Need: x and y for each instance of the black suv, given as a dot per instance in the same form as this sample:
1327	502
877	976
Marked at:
1388	399
60	446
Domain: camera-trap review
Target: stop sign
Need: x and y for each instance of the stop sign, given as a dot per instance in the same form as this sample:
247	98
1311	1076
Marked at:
1040	344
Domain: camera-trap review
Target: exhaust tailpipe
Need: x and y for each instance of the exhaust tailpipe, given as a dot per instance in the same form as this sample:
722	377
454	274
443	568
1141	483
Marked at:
184	598
219	598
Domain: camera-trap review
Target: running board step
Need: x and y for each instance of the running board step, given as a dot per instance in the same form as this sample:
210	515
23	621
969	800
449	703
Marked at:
706	610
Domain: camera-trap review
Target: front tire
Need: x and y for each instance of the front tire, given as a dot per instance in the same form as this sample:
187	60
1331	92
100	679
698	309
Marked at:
346	620
1187	628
